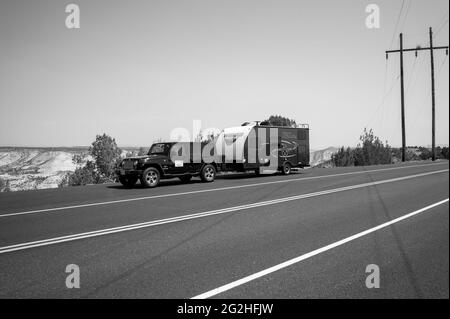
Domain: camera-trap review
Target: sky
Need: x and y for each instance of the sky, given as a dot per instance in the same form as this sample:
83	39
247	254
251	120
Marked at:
136	70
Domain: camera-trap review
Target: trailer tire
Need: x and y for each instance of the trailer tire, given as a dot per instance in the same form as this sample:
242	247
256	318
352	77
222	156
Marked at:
208	173
286	168
150	177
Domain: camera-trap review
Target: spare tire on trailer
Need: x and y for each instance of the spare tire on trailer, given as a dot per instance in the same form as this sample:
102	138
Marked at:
208	173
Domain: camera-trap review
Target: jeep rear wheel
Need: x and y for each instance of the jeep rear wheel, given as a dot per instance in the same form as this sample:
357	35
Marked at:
128	181
208	173
150	177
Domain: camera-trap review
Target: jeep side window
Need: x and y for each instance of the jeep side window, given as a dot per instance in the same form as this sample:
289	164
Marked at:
158	149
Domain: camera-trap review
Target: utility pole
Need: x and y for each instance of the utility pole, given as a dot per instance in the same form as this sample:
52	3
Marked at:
402	94
433	114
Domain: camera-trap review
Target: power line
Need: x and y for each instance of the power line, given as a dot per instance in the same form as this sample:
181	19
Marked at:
442	23
442	65
406	15
383	100
442	26
396	24
431	48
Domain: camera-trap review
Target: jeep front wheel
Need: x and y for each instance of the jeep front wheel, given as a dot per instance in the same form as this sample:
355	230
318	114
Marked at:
208	173
150	177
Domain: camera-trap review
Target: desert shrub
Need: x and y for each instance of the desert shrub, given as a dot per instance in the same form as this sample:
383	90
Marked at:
82	176
343	157
425	153
106	154
4	185
443	153
370	151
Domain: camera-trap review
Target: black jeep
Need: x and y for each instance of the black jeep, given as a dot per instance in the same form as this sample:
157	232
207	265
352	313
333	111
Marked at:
158	164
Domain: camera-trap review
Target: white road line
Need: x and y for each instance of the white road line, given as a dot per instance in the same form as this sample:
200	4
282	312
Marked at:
107	231
46	210
296	260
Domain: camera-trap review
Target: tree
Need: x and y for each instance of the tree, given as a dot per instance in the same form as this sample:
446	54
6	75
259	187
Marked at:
83	176
371	150
343	157
278	120
4	186
425	153
106	154
444	153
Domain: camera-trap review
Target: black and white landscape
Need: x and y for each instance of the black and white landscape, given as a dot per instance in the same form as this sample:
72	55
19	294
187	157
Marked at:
241	149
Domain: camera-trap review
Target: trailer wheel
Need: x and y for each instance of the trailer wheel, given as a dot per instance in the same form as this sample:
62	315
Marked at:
208	173
128	181
286	168
185	178
150	177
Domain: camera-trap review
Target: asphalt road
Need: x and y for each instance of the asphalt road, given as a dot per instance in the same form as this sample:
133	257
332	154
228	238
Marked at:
307	235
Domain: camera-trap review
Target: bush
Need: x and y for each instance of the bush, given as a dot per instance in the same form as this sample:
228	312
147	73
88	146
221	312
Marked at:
106	154
4	185
444	153
83	175
343	157
371	151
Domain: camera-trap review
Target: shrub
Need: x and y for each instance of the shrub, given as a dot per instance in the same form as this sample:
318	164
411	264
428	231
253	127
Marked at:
343	157
4	185
83	175
370	151
444	153
106	154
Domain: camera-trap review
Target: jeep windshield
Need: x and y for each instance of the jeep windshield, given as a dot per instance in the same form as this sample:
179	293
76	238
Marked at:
160	148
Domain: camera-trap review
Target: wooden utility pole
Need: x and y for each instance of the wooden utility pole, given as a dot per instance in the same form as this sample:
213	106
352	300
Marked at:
433	112
433	101
402	93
